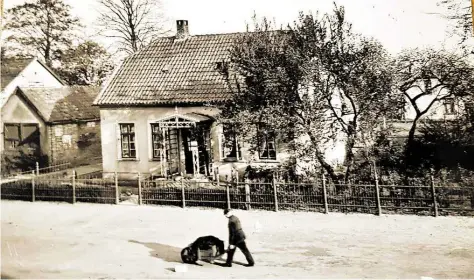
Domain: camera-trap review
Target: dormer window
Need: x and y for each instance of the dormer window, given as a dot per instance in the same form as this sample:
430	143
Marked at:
222	66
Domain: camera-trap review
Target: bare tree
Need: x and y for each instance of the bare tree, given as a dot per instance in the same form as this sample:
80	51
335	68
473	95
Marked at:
132	23
459	12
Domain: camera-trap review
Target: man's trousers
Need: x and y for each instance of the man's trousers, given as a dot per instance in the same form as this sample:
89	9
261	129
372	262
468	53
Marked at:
243	247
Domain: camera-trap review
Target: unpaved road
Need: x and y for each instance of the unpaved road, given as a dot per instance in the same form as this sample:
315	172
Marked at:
50	240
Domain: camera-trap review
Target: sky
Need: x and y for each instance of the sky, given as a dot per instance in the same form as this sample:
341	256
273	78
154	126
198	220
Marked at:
397	24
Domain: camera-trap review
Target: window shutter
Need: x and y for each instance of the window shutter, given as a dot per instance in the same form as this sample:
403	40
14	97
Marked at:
137	148
150	142
220	148
118	141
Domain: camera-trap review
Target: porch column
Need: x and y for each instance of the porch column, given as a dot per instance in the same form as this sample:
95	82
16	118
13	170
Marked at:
164	169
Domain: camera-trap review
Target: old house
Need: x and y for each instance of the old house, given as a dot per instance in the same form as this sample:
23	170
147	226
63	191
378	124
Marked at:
445	110
58	123
158	111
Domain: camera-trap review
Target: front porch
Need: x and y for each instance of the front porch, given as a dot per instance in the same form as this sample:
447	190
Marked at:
182	145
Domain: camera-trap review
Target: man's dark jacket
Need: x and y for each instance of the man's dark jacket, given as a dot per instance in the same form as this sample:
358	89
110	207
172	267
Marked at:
236	234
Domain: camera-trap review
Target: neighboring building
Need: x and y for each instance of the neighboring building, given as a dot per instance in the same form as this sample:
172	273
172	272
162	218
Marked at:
158	111
30	73
57	122
445	110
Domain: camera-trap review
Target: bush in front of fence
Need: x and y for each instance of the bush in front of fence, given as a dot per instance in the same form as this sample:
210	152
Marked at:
17	190
53	190
95	194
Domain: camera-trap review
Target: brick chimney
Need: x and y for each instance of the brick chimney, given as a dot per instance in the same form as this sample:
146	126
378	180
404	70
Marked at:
182	29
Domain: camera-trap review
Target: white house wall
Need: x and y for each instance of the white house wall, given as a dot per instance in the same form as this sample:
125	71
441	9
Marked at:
141	118
436	112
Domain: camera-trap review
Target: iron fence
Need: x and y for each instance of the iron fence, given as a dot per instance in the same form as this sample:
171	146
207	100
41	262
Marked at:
321	196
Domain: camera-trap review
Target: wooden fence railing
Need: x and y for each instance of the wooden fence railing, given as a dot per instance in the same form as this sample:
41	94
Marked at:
321	196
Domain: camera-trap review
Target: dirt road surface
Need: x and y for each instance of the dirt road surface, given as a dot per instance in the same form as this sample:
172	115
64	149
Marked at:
51	240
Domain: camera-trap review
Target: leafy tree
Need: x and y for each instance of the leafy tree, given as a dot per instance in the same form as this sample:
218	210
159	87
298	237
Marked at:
132	23
316	81
427	77
85	64
43	26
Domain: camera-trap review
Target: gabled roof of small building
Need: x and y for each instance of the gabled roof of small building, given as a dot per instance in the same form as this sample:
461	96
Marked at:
12	67
172	71
67	104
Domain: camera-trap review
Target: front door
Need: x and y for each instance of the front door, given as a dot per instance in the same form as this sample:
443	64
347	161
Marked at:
172	150
188	138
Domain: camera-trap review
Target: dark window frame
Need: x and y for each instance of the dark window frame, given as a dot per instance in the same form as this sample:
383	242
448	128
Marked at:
449	106
19	141
131	139
158	136
236	150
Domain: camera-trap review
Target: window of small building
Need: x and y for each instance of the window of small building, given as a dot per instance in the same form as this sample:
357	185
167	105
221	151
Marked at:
449	106
127	136
12	136
19	134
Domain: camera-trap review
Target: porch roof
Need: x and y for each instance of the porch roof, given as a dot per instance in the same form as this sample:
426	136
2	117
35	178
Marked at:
182	120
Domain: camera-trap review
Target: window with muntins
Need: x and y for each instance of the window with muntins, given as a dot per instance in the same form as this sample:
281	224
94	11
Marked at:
266	143
127	136
230	146
157	141
12	136
449	107
20	134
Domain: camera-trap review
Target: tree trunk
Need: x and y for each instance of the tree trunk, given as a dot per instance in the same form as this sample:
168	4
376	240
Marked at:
408	148
320	157
329	169
349	158
47	54
411	133
349	151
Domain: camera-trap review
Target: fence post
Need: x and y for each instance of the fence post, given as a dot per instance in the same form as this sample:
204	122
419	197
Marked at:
73	186
227	192
247	195
37	168
117	193
217	176
325	195
33	187
182	192
139	189
377	192
433	193
275	194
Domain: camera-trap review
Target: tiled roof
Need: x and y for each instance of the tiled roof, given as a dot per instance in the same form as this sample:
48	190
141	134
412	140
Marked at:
11	68
63	104
172	71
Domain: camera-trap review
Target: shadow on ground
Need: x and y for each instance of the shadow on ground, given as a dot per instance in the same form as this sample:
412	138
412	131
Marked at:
5	276
162	251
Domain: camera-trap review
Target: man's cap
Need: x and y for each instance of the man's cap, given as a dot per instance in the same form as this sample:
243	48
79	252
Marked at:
227	211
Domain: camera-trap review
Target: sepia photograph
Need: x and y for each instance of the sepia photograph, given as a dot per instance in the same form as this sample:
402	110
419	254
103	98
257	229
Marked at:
220	139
